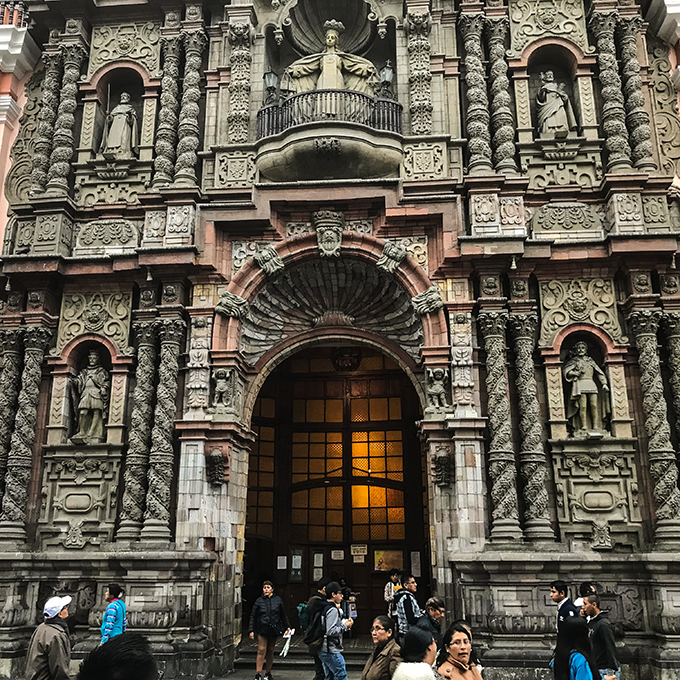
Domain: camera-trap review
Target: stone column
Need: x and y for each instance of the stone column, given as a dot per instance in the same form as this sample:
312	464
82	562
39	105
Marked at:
166	135
502	471
46	118
15	498
502	121
637	117
532	459
477	115
671	326
603	24
161	459
11	373
64	143
644	325
417	26
137	461
188	131
240	59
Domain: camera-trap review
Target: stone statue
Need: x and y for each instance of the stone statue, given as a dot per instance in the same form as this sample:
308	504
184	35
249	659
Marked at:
588	401
555	115
121	135
331	69
437	393
91	388
222	388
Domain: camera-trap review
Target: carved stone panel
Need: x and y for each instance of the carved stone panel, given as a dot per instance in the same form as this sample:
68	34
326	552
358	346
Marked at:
590	301
139	42
485	218
655	214
624	213
197	389
234	169
566	221
242	250
53	234
425	160
416	247
106	237
179	227
154	228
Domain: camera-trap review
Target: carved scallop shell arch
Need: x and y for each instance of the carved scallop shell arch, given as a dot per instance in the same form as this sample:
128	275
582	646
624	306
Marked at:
330	292
304	29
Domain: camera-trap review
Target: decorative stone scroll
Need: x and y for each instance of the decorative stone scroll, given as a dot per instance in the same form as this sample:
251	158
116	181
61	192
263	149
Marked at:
428	301
417	26
12	346
393	255
268	260
241	251
138	42
589	301
416	247
232	306
112	236
329	226
566	221
238	120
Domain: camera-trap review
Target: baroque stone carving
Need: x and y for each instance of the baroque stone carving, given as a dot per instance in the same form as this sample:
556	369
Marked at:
555	115
566	221
198	383
235	169
416	247
428	301
241	251
438	389
11	374
329	226
424	160
392	256
461	363
91	387
107	314
484	214
226	387
502	471
671	327
442	468
106	236
417	26
232	306
642	283
655	212
578	301
139	42
215	468
179	226
268	260
120	140
240	59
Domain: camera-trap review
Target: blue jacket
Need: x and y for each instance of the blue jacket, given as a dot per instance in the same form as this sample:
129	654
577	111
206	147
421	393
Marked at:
115	621
578	667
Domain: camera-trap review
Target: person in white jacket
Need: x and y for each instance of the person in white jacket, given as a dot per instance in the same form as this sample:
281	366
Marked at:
418	651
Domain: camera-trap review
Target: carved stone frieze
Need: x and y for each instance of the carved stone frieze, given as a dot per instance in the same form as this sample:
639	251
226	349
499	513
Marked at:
106	237
106	314
232	306
462	382
240	39
485	218
591	301
417	26
566	221
393	255
136	41
179	226
416	247
329	226
234	169
428	301
425	160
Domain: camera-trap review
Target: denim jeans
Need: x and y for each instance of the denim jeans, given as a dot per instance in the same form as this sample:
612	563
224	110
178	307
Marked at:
333	666
610	671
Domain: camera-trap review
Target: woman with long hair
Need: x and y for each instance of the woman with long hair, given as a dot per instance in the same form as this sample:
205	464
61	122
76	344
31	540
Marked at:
382	664
453	662
572	659
418	651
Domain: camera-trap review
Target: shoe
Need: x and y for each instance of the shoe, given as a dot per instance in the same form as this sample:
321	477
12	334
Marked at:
258	676
267	676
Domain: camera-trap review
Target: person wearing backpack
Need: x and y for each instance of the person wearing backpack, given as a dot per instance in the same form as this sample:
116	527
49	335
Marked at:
331	649
268	620
316	603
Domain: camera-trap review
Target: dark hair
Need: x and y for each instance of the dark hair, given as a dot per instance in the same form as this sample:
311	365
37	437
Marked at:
406	579
434	603
572	636
124	657
593	598
323	582
332	588
461	622
268	583
394	572
586	588
560	587
114	590
385	621
415	643
456	627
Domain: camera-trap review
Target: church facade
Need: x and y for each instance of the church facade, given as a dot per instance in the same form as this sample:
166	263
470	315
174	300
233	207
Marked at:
296	288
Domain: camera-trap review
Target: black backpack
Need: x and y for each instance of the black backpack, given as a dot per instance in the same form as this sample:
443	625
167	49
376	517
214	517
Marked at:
316	632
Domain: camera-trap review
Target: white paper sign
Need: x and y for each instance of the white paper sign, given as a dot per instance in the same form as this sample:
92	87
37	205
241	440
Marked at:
318	574
359	559
318	560
337	555
282	561
297	562
359	549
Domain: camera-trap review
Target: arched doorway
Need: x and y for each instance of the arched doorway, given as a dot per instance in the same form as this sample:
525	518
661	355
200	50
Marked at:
336	482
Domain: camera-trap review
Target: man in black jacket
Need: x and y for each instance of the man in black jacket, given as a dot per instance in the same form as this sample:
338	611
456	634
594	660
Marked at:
408	611
317	602
601	637
268	620
565	607
431	620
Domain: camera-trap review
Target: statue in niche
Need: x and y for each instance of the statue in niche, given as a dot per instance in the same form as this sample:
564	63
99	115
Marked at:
91	389
555	115
331	69
121	135
588	400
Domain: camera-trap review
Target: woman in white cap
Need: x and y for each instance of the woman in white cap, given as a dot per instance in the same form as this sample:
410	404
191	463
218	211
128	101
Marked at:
49	651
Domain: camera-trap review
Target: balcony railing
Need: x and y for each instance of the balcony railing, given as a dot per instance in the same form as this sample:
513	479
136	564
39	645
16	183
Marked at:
329	105
13	13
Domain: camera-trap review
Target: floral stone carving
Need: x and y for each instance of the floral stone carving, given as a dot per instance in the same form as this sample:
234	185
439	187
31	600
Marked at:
139	42
566	221
106	237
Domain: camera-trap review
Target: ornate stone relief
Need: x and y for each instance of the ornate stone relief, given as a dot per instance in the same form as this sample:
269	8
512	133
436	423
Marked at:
417	26
241	251
154	228
234	169
438	390
425	160
53	234
91	390
232	306
655	214
589	301
485	218
179	226
442	467
462	382
428	301
298	229
329	226
238	119
139	42
215	467
624	213
393	255
268	260
416	247
227	391
512	216
106	237
198	382
106	314
566	221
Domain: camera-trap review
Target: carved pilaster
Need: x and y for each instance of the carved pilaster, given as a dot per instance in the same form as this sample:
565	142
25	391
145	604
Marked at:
532	459
161	458
11	373
15	498
603	25
417	26
502	471
636	115
188	131
137	461
670	322
166	135
46	118
477	116
502	120
644	325
240	59
64	143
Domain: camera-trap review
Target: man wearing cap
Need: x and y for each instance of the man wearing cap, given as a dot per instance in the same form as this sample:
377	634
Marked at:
49	651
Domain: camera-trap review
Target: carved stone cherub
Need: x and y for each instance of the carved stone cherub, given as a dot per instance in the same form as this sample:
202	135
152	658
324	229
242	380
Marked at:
222	388
91	388
437	393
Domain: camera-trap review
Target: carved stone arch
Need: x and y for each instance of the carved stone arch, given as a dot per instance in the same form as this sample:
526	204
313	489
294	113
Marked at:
604	340
72	349
102	73
555	49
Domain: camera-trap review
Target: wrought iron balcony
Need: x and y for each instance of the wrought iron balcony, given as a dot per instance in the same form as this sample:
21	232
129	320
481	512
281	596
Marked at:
333	106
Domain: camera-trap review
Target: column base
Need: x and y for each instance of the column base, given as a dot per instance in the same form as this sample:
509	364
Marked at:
667	534
506	531
185	178
129	530
156	531
12	534
56	188
480	167
507	167
539	530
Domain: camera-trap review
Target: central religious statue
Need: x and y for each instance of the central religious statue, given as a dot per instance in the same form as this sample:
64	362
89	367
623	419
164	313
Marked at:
331	69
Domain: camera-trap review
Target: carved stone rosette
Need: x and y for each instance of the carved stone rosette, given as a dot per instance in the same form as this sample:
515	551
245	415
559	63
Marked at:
532	459
11	373
502	471
417	26
636	116
161	459
240	59
188	131
46	118
670	322
603	25
166	135
644	324
64	143
15	498
502	120
477	117
137	460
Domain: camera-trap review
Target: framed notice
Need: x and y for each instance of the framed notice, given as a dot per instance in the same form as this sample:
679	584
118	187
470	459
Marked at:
295	565
359	549
337	555
318	574
318	560
385	560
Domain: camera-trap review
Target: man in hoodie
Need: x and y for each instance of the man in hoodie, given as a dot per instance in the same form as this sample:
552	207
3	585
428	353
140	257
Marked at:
601	637
331	650
115	619
49	651
315	604
408	611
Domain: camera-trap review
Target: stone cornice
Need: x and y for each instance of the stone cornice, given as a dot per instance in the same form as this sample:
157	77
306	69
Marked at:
18	52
